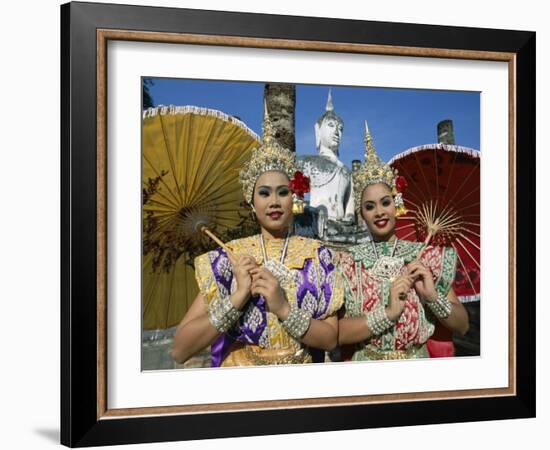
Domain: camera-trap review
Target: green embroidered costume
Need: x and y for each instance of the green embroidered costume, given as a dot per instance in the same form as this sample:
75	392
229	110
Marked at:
368	288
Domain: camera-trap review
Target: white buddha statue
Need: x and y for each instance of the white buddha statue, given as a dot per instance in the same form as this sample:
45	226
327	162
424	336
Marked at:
331	187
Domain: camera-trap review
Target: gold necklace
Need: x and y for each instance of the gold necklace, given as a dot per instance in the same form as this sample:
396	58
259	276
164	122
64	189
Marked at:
277	268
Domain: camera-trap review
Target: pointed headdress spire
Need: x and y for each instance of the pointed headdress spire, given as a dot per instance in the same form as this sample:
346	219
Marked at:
374	171
270	155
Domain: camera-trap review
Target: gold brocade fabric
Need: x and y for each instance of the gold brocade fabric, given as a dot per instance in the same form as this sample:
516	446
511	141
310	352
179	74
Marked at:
307	260
299	249
368	353
253	355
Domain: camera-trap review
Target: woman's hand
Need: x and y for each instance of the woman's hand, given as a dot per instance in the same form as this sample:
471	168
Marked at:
423	281
398	294
242	268
265	284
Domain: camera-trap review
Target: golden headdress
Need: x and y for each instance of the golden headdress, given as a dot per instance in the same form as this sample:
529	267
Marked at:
374	171
270	155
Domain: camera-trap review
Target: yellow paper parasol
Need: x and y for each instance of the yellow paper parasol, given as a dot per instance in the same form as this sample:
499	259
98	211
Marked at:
191	161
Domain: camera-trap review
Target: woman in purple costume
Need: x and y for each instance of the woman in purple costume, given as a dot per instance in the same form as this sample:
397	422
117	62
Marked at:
273	296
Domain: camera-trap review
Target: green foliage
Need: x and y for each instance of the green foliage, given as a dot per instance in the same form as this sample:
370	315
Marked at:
146	97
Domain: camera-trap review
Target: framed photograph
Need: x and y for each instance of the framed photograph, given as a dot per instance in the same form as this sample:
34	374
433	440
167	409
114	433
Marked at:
127	70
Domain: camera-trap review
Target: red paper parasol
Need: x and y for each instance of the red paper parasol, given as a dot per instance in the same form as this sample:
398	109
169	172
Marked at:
443	185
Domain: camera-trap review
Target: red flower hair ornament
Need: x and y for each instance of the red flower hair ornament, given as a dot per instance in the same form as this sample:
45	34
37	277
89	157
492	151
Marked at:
299	185
401	183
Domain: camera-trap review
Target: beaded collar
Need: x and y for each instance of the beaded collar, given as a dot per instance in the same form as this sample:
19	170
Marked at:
299	249
367	254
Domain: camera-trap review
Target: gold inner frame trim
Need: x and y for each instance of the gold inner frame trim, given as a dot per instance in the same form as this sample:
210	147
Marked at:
103	36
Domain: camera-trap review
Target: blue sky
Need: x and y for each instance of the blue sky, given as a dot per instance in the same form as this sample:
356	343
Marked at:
398	118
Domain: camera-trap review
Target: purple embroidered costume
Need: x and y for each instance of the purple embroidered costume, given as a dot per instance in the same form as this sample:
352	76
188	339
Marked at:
258	336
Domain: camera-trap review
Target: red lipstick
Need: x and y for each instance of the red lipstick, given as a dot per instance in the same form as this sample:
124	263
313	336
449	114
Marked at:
381	223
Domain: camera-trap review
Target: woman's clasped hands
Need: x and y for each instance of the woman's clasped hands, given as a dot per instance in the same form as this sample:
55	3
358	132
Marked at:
253	279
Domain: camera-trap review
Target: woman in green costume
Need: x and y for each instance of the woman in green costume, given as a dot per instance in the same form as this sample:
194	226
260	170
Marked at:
395	290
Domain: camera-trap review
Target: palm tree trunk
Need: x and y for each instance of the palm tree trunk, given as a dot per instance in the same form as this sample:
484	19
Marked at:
281	104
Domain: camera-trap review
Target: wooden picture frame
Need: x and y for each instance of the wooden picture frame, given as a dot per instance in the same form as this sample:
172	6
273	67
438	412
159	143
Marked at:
86	28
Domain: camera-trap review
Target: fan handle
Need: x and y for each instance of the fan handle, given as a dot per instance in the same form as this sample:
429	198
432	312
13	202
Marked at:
217	240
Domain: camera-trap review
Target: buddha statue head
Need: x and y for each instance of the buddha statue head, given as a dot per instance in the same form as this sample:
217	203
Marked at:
328	130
